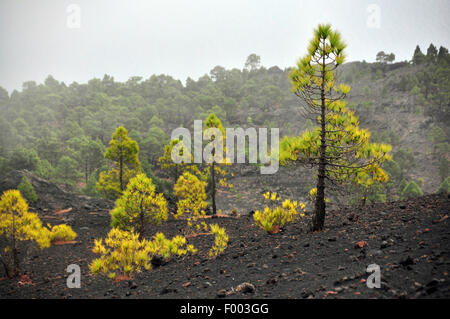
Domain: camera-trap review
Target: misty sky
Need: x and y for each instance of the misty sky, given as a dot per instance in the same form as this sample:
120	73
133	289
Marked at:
188	38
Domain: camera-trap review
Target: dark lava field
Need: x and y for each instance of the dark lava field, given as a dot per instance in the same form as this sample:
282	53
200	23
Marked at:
409	240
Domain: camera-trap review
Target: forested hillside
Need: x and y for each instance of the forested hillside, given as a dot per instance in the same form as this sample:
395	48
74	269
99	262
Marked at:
60	131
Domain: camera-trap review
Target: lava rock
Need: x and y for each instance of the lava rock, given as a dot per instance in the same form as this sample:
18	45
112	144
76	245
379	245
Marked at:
157	261
222	293
245	288
407	262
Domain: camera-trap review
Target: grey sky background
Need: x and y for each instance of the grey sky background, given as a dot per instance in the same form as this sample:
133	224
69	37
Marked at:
125	38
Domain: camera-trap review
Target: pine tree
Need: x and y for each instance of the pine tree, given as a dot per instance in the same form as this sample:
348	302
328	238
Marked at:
381	57
432	53
253	62
139	206
66	171
411	190
442	55
214	167
191	196
402	185
418	56
153	144
91	153
338	147
444	168
175	170
27	190
124	153
18	224
445	186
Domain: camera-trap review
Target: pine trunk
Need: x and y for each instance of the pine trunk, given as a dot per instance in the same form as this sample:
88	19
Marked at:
318	221
141	230
213	190
15	270
121	172
319	216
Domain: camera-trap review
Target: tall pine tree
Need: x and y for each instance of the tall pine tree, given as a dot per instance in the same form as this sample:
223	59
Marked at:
123	152
337	146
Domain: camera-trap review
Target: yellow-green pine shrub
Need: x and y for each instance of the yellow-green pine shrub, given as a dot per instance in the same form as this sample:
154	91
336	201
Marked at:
123	253
191	195
271	219
61	232
18	224
220	240
139	206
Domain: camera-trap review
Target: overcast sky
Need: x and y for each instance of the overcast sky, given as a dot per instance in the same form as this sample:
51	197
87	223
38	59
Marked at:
188	38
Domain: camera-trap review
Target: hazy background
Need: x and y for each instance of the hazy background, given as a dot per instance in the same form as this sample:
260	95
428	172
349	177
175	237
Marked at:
189	38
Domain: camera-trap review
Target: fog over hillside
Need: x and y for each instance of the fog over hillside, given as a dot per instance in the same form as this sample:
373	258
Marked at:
80	40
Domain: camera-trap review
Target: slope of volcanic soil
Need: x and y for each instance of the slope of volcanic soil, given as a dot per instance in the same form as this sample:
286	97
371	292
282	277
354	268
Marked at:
409	240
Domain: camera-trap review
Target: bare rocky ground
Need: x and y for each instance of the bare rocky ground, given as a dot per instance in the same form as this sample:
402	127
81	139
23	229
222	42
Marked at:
409	240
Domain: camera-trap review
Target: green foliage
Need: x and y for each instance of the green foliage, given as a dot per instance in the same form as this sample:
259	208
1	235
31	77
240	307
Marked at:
444	168
402	185
90	189
444	187
437	135
66	171
253	62
175	170
430	84
108	184
432	54
139	206
411	190
153	144
384	57
220	240
407	82
22	158
163	186
405	159
420	182
442	149
17	221
124	154
376	193
340	150
61	232
45	121
272	219
216	167
309	125
418	57
389	137
419	110
156	122
45	170
191	195
27	190
393	171
17	224
90	156
122	149
124	253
